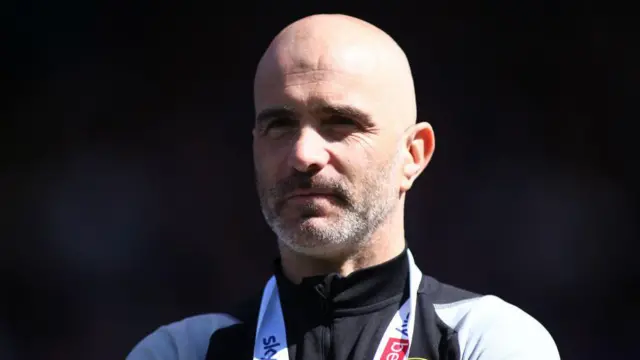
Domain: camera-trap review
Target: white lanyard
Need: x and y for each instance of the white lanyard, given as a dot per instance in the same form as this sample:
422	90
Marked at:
271	336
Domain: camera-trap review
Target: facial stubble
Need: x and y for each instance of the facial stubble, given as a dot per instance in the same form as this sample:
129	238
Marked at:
361	209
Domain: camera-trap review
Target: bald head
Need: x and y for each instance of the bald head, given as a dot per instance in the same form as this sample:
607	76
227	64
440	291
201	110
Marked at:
329	44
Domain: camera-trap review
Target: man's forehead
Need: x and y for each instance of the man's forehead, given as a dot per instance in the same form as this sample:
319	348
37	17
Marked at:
349	59
318	78
345	65
330	84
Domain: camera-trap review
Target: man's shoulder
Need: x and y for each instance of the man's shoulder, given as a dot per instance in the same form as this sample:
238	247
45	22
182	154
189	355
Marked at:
188	339
488	327
441	293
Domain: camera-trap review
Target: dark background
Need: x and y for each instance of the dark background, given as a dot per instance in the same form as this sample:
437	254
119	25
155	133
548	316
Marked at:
128	179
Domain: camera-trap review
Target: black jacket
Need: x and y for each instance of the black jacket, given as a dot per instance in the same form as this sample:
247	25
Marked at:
333	317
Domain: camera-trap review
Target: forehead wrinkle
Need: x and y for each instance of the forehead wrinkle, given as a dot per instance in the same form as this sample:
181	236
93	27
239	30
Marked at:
320	77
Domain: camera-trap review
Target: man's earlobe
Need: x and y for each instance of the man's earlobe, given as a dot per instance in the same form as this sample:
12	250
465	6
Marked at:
410	170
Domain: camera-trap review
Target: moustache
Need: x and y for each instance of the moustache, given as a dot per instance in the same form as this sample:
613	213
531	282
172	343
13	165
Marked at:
303	181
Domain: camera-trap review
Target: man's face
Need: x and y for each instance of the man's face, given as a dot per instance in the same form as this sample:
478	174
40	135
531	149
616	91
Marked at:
326	159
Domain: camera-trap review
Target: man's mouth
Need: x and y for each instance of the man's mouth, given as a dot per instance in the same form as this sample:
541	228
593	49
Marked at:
310	194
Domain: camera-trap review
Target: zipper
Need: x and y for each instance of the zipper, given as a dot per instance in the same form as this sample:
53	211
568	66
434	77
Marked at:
326	331
326	342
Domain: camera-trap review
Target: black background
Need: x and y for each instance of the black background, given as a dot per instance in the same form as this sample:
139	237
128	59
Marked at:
128	177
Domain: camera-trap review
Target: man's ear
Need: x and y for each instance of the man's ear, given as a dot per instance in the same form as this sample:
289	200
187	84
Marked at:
421	143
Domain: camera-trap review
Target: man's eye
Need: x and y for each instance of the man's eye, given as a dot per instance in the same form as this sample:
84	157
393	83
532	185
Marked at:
279	124
340	120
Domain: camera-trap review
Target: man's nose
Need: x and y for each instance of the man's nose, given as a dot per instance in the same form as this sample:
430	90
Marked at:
309	152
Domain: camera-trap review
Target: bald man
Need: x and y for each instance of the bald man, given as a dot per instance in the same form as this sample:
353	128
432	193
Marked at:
336	148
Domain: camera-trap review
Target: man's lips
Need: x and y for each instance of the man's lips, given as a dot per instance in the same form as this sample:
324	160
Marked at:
310	193
304	196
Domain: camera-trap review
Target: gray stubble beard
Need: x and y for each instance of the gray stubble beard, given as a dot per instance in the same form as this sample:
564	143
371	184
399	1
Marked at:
354	229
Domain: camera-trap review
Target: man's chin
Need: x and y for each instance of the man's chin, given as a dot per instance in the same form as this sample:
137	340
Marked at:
311	231
316	249
313	226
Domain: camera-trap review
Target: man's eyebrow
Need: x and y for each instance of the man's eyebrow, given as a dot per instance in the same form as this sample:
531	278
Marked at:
273	112
343	110
319	109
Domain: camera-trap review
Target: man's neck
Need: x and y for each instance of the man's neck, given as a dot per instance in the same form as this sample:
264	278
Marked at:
382	247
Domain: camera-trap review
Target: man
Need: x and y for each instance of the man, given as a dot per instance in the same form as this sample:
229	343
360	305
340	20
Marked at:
337	148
